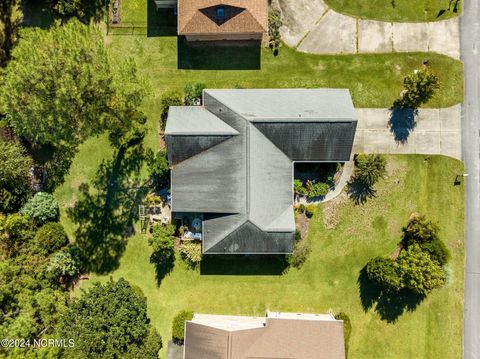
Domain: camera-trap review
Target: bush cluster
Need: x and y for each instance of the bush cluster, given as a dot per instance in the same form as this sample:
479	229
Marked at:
419	266
178	326
191	253
42	208
419	87
50	238
310	210
274	25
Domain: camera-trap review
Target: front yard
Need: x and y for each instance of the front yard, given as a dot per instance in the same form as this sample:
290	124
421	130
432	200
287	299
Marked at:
328	280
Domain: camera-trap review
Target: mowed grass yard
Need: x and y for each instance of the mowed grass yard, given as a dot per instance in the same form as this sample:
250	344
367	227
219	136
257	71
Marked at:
398	10
328	280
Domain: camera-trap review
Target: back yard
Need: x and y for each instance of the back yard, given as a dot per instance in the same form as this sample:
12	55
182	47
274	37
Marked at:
329	279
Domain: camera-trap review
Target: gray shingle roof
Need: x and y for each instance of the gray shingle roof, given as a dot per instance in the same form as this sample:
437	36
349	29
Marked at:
233	160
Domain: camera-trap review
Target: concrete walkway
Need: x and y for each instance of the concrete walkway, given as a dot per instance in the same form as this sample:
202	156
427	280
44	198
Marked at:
311	26
435	131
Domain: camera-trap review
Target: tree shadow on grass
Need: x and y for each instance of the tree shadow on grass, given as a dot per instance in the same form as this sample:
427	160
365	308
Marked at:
107	208
389	305
163	268
234	264
402	122
359	191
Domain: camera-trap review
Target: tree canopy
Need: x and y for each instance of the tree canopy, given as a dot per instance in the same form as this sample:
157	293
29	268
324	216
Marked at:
110	320
62	87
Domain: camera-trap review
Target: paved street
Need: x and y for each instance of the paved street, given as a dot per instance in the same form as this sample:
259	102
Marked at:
434	131
470	45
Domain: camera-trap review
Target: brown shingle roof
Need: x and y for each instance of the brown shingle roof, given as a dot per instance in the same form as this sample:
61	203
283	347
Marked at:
241	16
284	336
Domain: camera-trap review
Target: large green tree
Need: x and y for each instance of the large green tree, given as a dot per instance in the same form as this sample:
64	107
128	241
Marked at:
10	21
62	86
14	176
110	321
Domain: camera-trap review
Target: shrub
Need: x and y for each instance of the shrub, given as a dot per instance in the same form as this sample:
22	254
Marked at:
169	98
159	169
347	328
310	210
193	92
437	250
178	326
15	231
301	208
191	253
274	25
420	273
419	229
50	238
42	208
65	264
298	187
317	189
369	168
385	273
299	255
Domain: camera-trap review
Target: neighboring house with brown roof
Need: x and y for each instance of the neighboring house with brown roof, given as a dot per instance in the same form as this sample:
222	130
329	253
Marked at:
204	20
276	336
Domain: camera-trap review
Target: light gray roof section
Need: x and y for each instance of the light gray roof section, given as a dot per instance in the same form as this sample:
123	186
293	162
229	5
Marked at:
277	104
212	181
195	120
270	185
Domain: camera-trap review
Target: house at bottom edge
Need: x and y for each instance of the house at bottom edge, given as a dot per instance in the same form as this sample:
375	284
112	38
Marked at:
232	161
276	336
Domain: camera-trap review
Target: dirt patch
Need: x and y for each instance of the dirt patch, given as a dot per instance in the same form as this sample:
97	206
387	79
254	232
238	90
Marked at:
331	209
301	223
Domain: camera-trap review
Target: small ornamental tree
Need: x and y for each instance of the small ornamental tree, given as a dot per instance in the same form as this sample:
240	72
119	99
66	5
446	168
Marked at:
369	168
163	251
42	208
420	273
420	86
109	321
178	326
50	238
424	233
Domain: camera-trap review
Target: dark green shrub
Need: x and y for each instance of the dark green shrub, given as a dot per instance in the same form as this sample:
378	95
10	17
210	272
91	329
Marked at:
385	273
420	273
50	238
159	169
369	168
419	229
178	326
65	264
170	98
15	231
301	208
42	208
193	92
347	328
191	253
437	250
310	210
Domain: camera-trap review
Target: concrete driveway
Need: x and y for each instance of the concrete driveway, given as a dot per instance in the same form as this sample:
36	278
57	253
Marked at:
435	131
311	26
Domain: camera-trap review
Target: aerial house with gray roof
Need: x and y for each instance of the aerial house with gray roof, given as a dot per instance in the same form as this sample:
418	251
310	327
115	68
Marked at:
232	160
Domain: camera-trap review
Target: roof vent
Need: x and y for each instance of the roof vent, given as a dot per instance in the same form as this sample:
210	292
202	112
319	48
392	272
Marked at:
220	13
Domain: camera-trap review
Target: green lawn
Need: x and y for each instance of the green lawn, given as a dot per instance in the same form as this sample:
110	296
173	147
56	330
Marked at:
374	80
328	280
398	10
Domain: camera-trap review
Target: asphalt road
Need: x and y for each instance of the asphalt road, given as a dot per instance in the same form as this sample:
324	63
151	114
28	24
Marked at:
470	47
